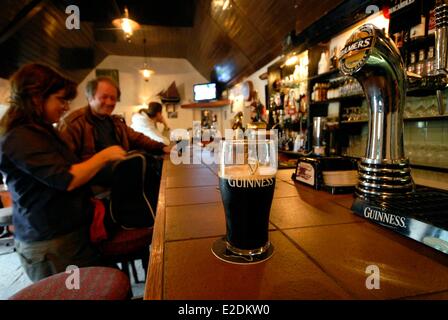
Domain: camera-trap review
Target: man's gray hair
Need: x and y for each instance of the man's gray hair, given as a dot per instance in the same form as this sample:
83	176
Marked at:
92	85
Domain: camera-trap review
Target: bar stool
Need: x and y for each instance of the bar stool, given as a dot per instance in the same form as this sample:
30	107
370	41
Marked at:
95	283
126	247
6	207
6	238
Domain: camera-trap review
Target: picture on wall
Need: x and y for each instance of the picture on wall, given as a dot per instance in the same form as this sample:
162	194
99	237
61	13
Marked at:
172	115
170	108
111	73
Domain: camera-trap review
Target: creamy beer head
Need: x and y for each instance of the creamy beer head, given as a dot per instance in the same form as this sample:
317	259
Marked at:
243	171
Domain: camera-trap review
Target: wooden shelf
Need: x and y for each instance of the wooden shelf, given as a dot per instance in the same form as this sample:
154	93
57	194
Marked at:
324	75
353	121
354	96
427	118
213	104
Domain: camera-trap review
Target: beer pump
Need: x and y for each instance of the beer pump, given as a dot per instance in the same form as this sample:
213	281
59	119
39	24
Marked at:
441	15
386	193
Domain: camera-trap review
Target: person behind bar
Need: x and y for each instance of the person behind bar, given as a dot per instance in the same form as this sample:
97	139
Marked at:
145	121
52	210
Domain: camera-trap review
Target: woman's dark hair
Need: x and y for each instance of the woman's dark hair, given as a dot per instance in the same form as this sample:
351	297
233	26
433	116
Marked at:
31	85
153	109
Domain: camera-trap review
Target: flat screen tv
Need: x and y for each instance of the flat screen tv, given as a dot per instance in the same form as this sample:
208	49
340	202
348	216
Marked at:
205	92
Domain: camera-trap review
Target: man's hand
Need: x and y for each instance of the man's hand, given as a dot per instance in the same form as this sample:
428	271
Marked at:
167	149
84	171
112	153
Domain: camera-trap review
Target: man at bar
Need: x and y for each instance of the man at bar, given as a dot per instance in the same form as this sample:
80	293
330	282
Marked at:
94	128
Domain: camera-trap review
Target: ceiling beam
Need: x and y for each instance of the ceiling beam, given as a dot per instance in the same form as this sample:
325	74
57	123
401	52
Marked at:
21	18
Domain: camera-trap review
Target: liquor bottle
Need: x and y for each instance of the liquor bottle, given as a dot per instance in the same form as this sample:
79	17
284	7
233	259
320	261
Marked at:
399	39
420	66
411	66
430	62
334	59
323	65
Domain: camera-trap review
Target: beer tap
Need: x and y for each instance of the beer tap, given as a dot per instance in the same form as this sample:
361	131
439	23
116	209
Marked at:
373	59
441	39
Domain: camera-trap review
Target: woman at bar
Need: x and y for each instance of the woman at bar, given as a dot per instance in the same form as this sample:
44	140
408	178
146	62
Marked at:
145	121
52	210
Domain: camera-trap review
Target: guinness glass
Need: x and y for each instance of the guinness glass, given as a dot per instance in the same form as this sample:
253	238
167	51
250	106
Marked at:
247	182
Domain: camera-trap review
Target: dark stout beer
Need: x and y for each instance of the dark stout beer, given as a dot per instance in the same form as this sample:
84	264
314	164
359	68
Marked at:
247	202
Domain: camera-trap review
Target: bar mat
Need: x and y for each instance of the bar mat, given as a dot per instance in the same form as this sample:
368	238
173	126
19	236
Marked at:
219	249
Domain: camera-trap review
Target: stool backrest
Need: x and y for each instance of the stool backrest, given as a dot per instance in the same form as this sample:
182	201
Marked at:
129	206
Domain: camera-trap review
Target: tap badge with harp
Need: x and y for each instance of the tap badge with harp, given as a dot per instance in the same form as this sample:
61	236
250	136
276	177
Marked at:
357	49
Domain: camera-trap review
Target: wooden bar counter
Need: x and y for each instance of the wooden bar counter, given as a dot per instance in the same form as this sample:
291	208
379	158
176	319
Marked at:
322	250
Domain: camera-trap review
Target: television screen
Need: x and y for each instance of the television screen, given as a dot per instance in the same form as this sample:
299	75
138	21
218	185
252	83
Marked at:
205	91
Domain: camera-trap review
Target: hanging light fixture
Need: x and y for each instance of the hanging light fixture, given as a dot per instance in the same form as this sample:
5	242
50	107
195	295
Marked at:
145	71
222	5
126	24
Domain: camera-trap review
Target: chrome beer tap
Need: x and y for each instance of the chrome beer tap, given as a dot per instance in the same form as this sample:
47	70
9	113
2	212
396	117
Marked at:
441	15
373	59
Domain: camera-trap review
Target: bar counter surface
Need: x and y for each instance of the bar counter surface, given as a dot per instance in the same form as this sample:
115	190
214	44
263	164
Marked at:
322	250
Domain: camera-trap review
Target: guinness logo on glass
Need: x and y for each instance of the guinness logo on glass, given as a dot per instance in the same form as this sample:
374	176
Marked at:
250	183
357	49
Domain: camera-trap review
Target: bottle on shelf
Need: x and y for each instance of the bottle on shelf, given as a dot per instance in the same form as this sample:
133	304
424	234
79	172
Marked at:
430	62
411	66
299	142
399	39
320	91
420	66
334	59
324	63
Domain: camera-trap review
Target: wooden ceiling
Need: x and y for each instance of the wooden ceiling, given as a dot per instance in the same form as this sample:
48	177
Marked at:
224	44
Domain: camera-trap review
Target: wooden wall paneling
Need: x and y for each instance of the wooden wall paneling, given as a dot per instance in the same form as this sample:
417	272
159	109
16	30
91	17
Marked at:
314	11
15	14
10	9
243	39
273	18
40	39
160	42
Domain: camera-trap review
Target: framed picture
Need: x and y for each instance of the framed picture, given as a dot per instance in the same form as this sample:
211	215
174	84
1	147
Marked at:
111	73
172	115
170	108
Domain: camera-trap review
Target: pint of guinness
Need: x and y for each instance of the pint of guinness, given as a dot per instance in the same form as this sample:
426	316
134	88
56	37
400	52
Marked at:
247	183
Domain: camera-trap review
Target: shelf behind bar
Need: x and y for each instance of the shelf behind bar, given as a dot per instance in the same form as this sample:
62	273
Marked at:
355	96
442	117
324	75
213	104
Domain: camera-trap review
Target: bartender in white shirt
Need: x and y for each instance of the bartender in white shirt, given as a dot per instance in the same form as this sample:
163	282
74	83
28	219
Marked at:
145	121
